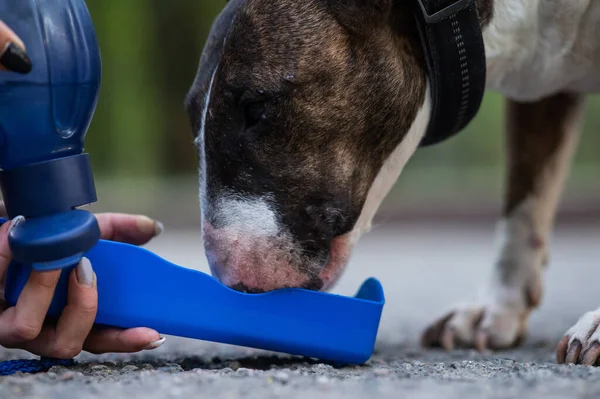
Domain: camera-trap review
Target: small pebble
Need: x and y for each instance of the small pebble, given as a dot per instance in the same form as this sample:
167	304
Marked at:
171	368
381	372
322	366
234	365
58	369
281	377
439	366
243	371
69	375
130	368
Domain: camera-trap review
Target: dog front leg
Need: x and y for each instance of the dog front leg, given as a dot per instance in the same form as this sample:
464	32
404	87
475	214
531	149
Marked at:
541	139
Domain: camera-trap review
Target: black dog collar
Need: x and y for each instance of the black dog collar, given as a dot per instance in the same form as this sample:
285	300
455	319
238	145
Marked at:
456	65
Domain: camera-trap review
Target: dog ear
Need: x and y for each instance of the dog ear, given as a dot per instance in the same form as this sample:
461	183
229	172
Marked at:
356	15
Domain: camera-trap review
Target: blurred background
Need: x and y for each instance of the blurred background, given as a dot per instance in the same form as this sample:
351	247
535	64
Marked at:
141	143
439	217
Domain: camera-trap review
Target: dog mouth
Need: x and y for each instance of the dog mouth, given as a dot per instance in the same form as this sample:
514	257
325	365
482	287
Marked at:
259	265
313	284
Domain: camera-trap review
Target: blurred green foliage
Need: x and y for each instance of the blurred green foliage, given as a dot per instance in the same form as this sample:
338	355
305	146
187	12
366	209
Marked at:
150	51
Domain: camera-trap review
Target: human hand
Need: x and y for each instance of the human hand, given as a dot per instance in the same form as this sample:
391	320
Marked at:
12	52
24	326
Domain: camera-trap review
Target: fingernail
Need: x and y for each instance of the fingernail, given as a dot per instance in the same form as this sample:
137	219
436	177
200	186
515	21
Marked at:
159	228
156	344
15	222
15	59
85	273
149	226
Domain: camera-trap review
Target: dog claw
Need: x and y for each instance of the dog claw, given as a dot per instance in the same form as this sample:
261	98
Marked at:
481	338
561	349
573	352
447	339
581	343
476	327
590	356
431	336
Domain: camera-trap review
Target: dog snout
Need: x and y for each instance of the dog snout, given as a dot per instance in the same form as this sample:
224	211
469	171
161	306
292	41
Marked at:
255	263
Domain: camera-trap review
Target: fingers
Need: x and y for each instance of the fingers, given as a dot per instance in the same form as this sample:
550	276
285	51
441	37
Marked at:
122	341
110	340
77	318
7	35
74	330
65	339
12	51
131	229
22	326
24	321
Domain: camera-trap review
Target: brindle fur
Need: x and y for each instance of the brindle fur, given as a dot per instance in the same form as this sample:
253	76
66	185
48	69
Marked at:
343	81
535	133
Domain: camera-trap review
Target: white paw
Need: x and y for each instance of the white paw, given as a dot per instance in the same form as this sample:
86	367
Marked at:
480	327
581	344
497	321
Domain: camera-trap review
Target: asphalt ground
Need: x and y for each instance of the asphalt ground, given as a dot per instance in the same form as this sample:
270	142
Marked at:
424	269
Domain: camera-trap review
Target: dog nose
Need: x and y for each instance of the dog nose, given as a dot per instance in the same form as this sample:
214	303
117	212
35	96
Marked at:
253	263
326	220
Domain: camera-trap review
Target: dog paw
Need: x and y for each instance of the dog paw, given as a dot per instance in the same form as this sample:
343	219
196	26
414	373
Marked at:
581	343
480	327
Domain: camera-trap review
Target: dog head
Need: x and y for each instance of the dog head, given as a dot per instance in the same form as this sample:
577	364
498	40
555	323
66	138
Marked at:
304	113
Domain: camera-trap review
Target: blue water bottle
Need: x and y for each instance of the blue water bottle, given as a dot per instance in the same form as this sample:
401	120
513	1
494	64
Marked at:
44	117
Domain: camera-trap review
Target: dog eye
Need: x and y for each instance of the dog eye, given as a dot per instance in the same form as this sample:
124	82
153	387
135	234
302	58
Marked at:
255	112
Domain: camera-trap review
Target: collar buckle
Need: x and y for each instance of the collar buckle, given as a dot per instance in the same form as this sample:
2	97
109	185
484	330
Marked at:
444	13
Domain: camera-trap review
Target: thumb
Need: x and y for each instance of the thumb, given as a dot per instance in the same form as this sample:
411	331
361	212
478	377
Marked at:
13	56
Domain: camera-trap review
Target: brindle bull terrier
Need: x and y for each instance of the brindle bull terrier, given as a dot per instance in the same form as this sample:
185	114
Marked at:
306	111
